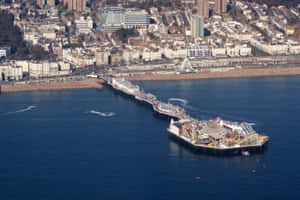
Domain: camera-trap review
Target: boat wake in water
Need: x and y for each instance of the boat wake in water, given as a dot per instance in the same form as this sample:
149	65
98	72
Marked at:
183	103
107	114
22	110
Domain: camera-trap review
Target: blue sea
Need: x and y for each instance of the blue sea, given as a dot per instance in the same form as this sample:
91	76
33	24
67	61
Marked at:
90	144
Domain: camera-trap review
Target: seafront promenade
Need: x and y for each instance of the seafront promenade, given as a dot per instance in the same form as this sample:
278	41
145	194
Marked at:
85	83
56	85
235	73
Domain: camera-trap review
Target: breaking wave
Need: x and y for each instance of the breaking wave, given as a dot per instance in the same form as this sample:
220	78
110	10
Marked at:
107	114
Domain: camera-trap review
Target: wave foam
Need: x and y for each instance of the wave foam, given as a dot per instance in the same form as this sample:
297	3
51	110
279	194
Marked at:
107	114
23	110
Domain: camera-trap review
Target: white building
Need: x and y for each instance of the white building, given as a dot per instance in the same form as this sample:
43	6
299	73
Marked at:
84	26
102	57
149	55
218	52
245	51
24	64
77	58
4	52
10	72
198	51
49	34
233	51
294	49
272	49
32	37
174	53
128	56
48	69
136	19
197	26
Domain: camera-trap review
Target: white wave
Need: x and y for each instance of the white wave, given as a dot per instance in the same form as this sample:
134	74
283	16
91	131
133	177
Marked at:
23	110
182	101
107	114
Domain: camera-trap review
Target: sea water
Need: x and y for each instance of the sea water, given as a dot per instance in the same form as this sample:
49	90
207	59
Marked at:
90	144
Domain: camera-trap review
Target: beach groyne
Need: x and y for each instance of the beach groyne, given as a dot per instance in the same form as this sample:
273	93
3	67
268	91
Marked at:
235	73
57	85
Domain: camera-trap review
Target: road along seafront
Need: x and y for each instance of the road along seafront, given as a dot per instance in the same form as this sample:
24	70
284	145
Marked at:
55	85
233	73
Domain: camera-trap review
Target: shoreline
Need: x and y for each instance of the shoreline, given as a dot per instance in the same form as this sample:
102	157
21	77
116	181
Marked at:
51	86
235	73
97	83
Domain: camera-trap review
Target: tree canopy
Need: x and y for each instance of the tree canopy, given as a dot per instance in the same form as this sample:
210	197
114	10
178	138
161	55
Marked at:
124	34
11	36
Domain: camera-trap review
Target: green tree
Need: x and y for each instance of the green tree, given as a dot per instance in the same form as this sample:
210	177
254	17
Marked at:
124	34
11	36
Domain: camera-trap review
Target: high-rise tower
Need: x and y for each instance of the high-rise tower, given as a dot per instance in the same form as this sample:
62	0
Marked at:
202	8
197	26
78	5
220	6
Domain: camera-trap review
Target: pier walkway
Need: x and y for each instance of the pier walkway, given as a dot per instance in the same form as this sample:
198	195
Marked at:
161	108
